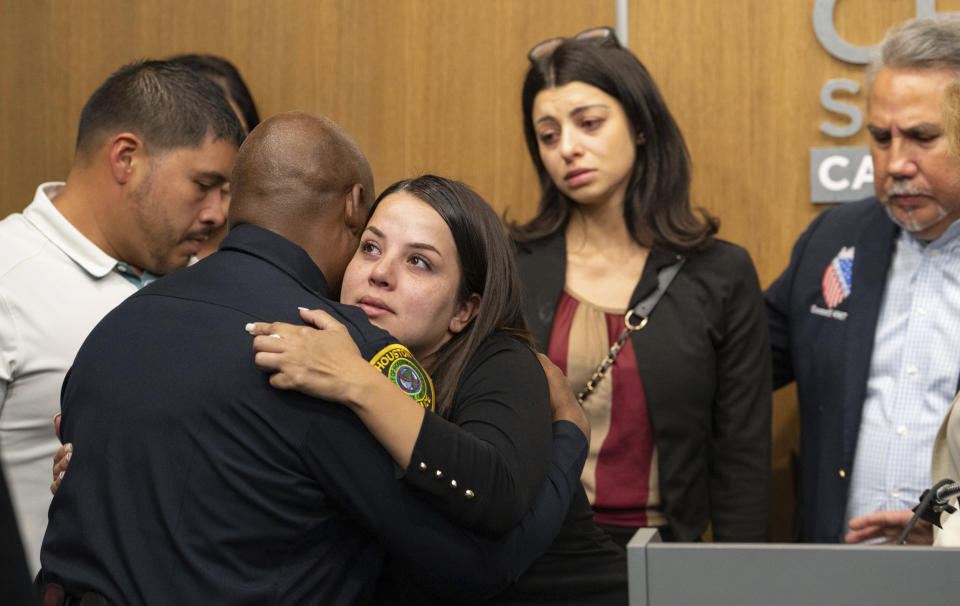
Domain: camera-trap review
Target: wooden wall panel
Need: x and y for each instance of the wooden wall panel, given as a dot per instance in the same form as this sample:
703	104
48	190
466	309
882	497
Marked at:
423	85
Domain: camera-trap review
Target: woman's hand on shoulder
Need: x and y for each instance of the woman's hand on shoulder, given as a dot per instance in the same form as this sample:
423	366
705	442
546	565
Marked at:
562	400
319	360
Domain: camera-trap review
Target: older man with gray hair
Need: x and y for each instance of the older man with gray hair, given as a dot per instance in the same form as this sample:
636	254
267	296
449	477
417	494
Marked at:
865	317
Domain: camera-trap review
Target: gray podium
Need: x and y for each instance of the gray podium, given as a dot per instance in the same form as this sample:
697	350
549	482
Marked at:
787	574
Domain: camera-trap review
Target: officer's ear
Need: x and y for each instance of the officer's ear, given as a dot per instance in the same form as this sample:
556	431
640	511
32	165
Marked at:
355	209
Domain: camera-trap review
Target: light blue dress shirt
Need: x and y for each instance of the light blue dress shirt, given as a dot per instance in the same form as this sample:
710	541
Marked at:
913	374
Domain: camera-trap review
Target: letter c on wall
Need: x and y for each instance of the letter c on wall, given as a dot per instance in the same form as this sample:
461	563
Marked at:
823	173
840	48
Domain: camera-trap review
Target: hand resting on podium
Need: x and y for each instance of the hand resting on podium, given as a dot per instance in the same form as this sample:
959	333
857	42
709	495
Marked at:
888	525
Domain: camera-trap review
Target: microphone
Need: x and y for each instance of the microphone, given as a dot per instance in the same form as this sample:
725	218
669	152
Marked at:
947	492
933	502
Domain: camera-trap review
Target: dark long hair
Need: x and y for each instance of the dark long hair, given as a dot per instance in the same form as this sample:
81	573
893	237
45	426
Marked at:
487	268
656	208
216	68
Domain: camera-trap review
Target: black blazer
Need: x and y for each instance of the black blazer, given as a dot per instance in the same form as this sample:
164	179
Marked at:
704	361
829	355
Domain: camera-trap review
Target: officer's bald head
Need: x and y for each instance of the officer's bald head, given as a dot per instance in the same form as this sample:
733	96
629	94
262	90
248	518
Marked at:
291	166
301	176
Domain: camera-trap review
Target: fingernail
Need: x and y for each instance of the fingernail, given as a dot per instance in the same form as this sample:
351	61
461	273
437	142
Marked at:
60	477
68	447
303	309
69	454
249	327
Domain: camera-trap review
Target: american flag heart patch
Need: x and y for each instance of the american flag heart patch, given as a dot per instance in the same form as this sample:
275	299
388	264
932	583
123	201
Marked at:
837	277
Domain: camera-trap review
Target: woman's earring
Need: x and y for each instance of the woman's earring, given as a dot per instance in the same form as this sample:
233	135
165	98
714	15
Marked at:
641	139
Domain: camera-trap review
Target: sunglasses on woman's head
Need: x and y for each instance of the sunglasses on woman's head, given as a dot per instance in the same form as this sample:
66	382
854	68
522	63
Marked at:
602	35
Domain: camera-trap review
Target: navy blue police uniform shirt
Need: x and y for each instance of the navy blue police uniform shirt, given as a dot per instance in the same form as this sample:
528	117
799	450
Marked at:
194	481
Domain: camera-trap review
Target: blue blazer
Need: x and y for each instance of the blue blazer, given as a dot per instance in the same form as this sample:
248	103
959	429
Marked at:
827	352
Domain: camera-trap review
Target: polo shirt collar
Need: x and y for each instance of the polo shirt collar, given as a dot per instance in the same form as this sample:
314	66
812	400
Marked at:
43	215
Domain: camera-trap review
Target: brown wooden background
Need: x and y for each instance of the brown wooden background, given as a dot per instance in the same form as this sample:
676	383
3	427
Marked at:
434	85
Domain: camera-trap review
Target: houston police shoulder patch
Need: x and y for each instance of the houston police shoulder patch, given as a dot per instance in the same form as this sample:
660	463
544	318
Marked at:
398	364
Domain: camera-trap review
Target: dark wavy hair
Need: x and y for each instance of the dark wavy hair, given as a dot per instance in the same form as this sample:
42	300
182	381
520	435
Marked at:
220	70
657	204
487	268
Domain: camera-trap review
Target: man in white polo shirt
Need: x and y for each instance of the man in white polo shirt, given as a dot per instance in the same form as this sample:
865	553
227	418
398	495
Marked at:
155	148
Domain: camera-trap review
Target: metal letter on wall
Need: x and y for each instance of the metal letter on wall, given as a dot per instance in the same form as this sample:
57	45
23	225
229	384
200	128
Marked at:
847	109
841	49
840	174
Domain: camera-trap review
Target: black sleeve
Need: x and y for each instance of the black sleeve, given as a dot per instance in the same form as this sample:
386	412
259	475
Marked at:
740	445
14	576
777	299
483	469
446	560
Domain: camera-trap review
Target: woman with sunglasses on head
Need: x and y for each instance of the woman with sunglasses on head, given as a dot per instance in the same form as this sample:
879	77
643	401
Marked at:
681	416
435	269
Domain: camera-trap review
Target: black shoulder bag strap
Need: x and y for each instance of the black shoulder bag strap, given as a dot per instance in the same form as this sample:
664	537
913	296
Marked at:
634	320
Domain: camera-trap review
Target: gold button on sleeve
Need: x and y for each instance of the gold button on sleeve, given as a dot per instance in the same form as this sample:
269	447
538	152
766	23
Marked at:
468	494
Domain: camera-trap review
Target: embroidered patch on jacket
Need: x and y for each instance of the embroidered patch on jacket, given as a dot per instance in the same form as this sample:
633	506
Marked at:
398	364
838	277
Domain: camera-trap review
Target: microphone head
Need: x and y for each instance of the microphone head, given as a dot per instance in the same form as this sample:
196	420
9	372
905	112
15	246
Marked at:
946	490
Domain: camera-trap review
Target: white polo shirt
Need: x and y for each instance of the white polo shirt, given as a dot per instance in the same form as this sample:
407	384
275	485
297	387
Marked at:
55	285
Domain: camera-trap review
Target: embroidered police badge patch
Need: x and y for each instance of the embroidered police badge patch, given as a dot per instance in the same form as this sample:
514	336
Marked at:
838	277
398	364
